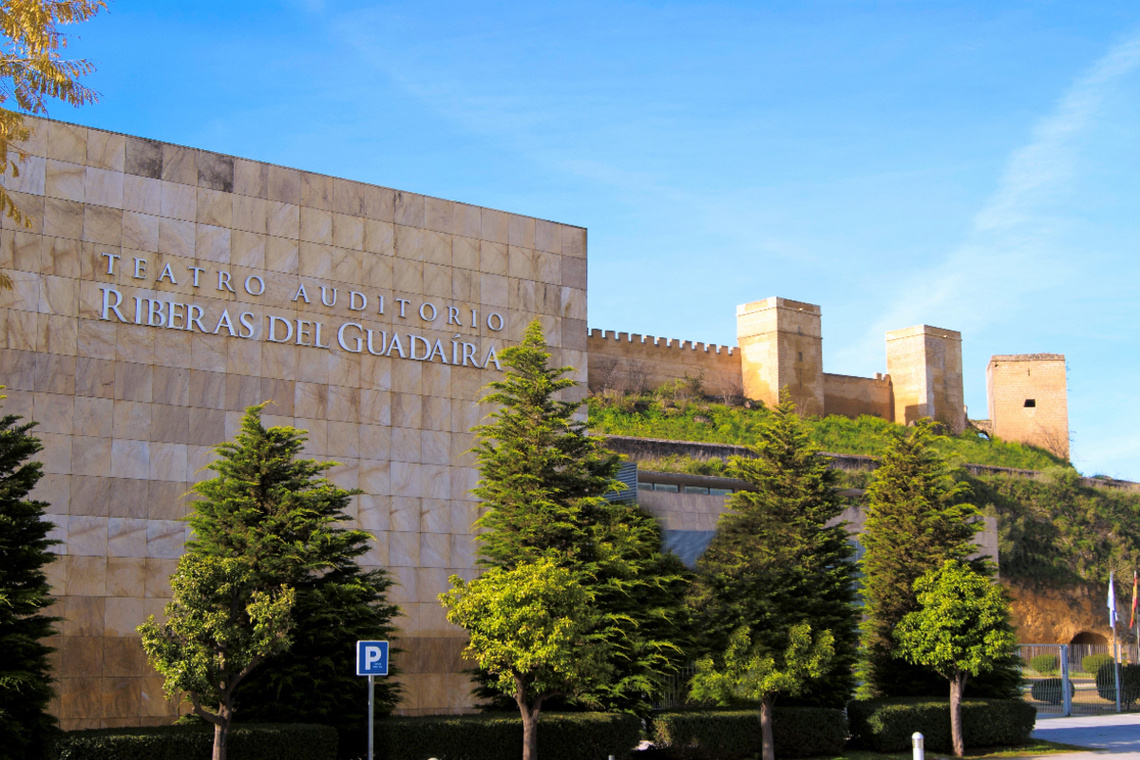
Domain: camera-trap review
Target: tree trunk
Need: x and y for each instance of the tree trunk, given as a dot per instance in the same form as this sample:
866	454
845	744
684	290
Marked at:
222	727
957	686
768	748
530	734
529	719
221	736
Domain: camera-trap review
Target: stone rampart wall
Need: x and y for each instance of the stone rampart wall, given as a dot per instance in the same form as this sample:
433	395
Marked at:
851	396
635	363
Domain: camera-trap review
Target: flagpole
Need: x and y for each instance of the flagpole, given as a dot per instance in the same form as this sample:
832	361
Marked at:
1115	646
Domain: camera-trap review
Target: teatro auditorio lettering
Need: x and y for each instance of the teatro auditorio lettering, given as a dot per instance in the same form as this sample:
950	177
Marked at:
161	290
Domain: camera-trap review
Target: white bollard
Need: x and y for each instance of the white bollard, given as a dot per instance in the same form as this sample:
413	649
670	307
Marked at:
918	743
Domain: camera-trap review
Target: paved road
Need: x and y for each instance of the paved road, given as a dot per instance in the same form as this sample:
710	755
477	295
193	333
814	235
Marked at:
1115	736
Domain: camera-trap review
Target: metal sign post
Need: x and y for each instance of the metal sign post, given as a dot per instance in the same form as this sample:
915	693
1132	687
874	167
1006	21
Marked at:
371	661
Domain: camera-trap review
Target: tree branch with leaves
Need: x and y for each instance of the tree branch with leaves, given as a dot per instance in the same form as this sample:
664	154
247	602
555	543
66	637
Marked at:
960	630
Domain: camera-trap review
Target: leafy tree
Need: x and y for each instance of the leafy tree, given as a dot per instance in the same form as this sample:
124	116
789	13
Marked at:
536	630
278	514
960	629
774	563
221	624
754	672
543	480
25	674
32	73
917	518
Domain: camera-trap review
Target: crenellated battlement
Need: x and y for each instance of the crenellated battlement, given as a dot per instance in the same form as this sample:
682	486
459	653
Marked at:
651	341
780	349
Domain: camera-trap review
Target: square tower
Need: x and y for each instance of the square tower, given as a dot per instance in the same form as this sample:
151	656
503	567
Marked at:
1028	400
925	365
781	347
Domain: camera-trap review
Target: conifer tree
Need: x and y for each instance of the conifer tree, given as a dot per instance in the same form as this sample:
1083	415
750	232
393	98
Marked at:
775	564
25	674
917	518
279	515
542	484
542	475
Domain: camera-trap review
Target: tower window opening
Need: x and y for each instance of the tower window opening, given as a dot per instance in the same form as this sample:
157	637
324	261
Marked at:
801	356
1030	403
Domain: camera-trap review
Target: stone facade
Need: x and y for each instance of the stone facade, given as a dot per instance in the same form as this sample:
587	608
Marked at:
1028	400
161	290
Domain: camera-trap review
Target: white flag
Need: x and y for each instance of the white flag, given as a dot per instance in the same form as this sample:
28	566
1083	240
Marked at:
1111	600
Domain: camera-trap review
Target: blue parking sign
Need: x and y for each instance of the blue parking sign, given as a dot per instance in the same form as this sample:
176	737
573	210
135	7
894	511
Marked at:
372	658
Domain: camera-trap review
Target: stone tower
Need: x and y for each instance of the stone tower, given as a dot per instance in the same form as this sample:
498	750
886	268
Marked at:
781	346
1028	400
925	365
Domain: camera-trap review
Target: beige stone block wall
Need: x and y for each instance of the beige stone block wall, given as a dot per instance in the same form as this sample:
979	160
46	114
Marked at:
781	346
1013	383
634	363
204	257
851	396
925	365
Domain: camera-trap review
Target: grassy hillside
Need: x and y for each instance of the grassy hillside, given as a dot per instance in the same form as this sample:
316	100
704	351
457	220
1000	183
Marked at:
651	416
1052	530
1056	531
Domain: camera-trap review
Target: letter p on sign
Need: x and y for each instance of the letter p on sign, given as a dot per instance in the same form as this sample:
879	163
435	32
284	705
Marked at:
372	658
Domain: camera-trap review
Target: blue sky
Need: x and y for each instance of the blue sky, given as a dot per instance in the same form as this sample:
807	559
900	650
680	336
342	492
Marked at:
972	166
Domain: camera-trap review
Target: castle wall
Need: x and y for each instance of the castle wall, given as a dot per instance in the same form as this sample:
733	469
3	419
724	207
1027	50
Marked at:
925	365
632	362
157	295
781	347
1013	383
852	396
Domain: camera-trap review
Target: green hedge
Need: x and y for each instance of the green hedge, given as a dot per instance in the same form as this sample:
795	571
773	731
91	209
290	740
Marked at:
886	725
730	734
1129	683
277	741
495	736
1048	690
1092	663
1045	663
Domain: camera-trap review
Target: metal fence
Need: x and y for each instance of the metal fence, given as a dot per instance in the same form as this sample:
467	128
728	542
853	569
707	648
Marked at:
676	689
1056	680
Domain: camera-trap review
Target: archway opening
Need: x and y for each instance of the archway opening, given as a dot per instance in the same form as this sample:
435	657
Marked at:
1088	638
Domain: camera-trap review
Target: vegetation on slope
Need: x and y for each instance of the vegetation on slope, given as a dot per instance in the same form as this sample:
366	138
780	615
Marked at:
1055	530
661	415
1052	530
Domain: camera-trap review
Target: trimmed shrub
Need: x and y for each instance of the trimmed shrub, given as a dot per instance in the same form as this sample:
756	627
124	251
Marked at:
1092	663
1129	683
498	736
731	734
270	741
885	725
1045	663
1048	690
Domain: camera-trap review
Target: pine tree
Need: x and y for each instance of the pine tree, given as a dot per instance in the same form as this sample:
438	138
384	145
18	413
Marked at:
25	675
917	518
775	564
279	515
542	475
542	485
